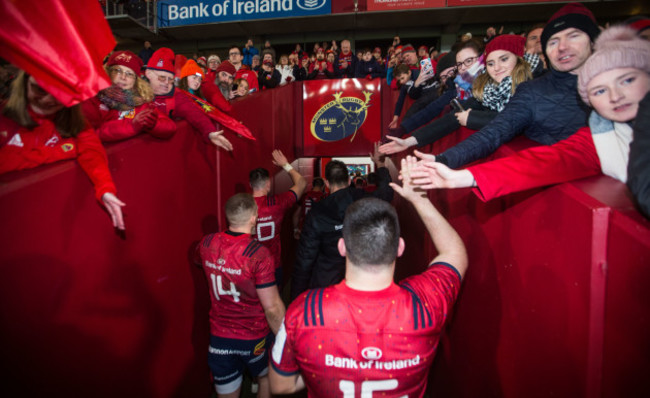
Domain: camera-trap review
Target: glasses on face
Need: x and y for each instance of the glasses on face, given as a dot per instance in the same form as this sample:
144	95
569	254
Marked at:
447	75
467	62
233	54
165	79
122	72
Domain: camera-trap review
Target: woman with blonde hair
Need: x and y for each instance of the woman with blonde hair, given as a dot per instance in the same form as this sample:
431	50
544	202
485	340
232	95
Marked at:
123	110
491	91
38	129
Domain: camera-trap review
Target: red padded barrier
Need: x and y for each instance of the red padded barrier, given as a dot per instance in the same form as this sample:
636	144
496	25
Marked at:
555	301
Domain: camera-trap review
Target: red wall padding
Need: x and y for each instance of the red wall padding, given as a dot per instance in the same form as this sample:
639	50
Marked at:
555	301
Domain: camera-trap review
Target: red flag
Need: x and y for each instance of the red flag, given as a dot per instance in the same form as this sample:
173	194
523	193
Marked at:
225	120
62	43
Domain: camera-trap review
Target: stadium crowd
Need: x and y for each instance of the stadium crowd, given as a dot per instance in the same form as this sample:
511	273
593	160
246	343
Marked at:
579	92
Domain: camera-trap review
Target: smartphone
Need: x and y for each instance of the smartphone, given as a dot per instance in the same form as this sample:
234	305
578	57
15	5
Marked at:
456	105
235	87
426	67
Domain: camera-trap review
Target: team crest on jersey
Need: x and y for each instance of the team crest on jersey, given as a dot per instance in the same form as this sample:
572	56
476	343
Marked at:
259	348
16	141
340	118
130	114
373	353
67	147
221	261
52	141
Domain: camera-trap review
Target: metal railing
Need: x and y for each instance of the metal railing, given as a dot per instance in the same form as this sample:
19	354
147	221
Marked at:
142	11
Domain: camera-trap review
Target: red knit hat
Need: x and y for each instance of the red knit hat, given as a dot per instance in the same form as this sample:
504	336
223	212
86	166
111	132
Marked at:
126	58
423	47
640	25
162	59
191	68
572	15
408	48
226	66
513	43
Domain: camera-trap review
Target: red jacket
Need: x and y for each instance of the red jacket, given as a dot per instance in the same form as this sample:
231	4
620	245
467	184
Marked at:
250	76
184	108
214	96
23	148
569	159
113	125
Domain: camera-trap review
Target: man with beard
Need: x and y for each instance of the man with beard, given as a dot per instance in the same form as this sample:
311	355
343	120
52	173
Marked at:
242	71
320	69
219	92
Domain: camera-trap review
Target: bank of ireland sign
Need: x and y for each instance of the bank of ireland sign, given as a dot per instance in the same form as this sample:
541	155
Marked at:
193	12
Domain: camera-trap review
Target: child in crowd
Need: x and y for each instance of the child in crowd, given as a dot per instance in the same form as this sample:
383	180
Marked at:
613	81
506	69
368	67
123	110
191	106
38	129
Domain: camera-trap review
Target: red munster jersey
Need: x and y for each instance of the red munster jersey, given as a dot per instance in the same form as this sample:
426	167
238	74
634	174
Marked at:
236	265
270	213
348	343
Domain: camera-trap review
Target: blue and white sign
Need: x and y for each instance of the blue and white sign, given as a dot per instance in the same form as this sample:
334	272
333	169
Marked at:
193	12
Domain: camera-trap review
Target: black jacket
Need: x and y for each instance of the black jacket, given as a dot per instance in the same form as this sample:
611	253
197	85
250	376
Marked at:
546	110
318	262
638	166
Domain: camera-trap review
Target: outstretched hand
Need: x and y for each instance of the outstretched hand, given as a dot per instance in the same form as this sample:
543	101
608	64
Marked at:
397	145
218	139
377	157
433	175
408	190
114	207
278	158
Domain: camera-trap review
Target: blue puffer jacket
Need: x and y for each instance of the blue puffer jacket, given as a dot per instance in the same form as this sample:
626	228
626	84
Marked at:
547	109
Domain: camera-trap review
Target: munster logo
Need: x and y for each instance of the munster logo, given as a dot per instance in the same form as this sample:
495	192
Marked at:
340	118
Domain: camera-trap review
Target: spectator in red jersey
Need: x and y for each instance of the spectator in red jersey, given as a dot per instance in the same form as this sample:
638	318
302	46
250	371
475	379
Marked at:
38	129
190	107
123	110
315	195
160	74
389	332
213	63
272	208
423	52
235	58
320	68
246	306
219	92
347	62
269	77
